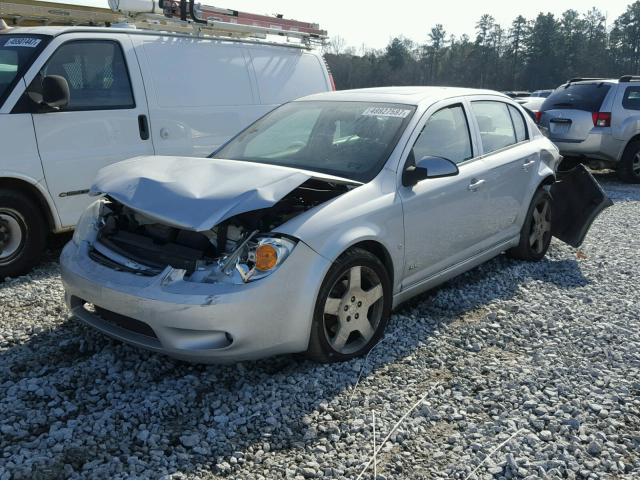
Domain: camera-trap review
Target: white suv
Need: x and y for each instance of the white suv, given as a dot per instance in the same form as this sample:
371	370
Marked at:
597	120
75	99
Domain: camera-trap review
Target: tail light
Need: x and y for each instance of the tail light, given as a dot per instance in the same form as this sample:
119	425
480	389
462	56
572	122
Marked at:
538	116
601	119
333	83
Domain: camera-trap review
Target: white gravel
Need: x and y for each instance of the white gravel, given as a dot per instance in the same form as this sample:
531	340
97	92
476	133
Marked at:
527	371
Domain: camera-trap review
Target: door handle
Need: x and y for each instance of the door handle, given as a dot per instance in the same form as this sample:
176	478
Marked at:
143	126
528	164
475	184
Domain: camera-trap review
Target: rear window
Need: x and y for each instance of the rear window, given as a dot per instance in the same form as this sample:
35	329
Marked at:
631	99
577	96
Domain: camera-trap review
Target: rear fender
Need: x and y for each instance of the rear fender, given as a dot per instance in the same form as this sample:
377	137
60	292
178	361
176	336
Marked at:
577	201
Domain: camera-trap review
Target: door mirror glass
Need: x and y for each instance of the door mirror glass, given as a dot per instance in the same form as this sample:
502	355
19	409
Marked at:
428	167
55	91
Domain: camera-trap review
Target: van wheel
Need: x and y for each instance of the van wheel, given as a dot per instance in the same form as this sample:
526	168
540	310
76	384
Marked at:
352	308
22	234
629	168
535	235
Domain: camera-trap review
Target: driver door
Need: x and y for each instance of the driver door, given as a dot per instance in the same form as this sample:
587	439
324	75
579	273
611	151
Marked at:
444	218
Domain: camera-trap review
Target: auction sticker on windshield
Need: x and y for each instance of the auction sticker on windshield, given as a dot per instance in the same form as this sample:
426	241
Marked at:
22	42
386	112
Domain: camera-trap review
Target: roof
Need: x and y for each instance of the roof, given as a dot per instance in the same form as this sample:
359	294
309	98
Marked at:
406	95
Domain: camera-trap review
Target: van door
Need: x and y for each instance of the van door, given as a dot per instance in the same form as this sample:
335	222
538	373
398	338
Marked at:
104	122
199	90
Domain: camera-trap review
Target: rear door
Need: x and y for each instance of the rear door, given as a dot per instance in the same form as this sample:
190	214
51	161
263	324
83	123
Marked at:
104	122
510	161
567	114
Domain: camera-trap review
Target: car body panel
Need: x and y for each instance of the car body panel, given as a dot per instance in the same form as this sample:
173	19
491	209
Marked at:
198	193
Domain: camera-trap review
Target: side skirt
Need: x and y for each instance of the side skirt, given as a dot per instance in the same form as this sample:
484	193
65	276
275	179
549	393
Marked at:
453	271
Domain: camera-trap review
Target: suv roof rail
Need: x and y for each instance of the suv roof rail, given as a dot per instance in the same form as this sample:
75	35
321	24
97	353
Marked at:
629	78
585	79
174	16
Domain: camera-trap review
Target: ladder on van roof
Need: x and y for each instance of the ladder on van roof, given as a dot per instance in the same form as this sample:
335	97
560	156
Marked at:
173	16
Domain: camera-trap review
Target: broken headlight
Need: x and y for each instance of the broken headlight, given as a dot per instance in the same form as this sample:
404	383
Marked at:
253	259
87	226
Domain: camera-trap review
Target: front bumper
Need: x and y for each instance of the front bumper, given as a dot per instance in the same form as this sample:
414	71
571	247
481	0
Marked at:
205	323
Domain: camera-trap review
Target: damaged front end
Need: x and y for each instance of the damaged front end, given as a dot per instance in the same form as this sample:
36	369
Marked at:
239	249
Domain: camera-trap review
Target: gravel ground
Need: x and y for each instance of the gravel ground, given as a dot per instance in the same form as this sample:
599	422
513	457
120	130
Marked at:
514	370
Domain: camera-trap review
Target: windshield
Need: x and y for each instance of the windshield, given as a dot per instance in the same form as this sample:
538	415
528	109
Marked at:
577	96
16	54
346	139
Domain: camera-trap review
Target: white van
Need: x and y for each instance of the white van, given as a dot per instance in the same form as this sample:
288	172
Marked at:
74	99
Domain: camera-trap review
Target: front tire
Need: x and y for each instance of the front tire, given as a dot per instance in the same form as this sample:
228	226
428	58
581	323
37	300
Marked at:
629	168
22	234
535	235
352	308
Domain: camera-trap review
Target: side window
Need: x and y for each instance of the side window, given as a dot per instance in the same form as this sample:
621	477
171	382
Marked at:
518	124
631	99
494	122
446	134
96	73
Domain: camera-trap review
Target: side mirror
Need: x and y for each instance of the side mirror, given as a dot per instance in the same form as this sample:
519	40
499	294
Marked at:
55	91
428	167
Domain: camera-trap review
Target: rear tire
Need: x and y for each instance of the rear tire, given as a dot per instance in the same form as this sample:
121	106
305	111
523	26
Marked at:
629	168
535	235
23	234
352	308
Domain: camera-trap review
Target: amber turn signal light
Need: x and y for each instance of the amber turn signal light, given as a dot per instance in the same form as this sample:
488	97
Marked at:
266	257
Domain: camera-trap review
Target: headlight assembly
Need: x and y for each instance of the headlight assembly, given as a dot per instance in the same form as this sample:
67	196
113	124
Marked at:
87	226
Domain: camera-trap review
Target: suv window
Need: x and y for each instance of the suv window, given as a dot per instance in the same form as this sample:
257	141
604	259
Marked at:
446	134
577	96
631	99
96	72
494	122
518	124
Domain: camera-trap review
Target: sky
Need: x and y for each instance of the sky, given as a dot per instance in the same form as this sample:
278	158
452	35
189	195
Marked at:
374	23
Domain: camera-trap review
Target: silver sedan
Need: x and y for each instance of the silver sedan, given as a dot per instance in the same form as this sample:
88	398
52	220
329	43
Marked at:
303	232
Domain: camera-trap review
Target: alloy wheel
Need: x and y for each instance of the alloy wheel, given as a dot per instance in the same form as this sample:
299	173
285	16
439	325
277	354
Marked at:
11	234
353	309
541	226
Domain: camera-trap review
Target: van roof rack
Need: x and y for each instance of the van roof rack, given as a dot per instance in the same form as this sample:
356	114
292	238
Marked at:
629	78
173	16
585	79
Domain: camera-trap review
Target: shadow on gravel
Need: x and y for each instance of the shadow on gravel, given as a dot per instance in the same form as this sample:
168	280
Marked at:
72	396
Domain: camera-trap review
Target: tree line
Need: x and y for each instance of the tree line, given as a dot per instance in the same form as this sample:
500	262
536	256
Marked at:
529	54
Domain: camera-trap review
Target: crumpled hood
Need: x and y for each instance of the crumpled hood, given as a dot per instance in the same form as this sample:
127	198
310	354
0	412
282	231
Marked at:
198	193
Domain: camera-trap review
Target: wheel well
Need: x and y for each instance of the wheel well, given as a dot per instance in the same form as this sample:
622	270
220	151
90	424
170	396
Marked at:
548	180
32	192
635	138
379	251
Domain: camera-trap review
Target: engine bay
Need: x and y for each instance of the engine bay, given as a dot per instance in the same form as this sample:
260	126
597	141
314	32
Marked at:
154	245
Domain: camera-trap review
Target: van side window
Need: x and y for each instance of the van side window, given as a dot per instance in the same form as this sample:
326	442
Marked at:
446	134
494	122
96	73
631	99
518	124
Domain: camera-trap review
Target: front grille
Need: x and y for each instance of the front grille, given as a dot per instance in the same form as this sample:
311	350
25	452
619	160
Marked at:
122	321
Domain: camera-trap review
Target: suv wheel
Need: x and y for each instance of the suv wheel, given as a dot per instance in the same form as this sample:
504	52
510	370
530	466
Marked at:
629	168
352	308
535	235
22	234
